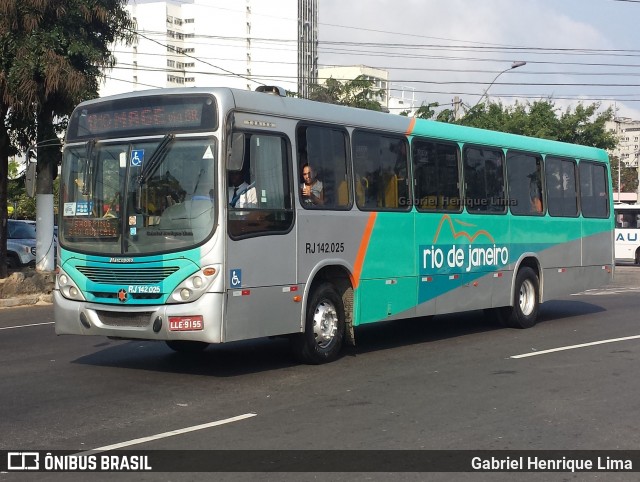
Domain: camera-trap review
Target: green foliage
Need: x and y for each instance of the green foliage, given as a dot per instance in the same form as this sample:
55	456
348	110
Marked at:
52	56
426	111
354	93
583	125
628	176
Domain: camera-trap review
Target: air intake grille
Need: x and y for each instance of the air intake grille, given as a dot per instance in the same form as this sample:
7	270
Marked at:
128	275
113	318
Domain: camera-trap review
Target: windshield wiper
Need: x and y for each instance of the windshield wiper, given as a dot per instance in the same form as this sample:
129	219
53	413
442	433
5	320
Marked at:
87	169
151	166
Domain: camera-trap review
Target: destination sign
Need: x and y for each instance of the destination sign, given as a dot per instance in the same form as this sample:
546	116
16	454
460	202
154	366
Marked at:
147	114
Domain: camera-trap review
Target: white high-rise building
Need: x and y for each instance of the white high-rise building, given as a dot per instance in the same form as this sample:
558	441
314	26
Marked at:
200	43
627	132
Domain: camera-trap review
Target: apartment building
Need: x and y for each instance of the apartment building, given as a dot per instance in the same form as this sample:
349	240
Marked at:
198	43
628	133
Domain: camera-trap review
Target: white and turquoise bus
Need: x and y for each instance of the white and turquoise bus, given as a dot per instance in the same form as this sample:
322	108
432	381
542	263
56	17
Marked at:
627	239
411	218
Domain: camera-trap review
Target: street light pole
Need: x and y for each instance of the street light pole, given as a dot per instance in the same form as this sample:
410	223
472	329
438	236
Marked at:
638	168
514	65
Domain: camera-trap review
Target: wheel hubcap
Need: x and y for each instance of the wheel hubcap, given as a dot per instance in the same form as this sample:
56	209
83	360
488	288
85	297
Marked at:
325	323
527	297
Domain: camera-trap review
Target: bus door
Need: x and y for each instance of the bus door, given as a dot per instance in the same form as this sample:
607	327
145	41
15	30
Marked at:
261	245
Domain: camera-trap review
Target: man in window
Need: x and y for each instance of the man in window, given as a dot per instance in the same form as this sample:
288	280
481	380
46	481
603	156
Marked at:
241	194
312	189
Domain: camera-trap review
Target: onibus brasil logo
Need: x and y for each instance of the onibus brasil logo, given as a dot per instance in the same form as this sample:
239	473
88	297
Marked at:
460	256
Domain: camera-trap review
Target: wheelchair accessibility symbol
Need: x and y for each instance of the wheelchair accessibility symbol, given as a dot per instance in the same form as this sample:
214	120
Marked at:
137	156
235	275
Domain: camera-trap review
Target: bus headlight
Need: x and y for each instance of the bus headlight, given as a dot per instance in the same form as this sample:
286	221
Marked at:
67	287
194	286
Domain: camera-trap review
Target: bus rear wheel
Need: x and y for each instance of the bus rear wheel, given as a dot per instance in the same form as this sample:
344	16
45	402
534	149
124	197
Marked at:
322	338
526	304
184	346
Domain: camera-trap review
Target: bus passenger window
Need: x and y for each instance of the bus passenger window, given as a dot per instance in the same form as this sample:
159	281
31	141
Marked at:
380	164
524	175
322	154
484	180
594	199
436	178
562	197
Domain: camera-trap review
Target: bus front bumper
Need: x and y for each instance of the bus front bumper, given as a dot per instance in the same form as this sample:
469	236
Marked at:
141	322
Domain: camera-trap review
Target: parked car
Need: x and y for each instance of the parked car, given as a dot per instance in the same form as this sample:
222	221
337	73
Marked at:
21	243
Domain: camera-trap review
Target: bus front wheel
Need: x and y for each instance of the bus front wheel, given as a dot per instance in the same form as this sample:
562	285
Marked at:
322	338
524	312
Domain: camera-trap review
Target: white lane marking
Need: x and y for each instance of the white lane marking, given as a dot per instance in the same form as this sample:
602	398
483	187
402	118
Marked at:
25	326
614	290
167	434
571	347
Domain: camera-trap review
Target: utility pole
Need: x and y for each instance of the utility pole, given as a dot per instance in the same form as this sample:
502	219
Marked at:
456	107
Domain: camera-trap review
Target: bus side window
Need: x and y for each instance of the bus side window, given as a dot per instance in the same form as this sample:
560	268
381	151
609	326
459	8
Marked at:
380	169
436	178
524	175
484	180
324	150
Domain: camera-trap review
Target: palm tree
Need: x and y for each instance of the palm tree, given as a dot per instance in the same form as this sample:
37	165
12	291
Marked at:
52	56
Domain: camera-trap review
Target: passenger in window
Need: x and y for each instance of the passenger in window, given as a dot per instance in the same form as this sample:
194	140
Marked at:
535	193
312	189
241	194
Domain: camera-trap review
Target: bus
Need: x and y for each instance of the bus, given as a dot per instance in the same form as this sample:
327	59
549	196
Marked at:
414	218
627	246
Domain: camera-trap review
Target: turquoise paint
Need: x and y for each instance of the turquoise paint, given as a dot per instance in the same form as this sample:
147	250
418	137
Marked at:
187	262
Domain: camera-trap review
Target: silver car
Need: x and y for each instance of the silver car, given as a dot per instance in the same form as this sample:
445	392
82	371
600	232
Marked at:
21	243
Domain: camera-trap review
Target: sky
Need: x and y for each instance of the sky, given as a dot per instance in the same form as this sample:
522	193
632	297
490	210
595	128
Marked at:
575	50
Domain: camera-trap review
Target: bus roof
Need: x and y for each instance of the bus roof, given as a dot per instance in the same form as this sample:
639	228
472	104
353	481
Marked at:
304	109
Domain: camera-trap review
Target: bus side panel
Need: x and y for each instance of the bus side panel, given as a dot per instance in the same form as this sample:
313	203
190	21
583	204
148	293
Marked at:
562	237
597	246
388	287
460	257
260	312
558	278
325	237
259	297
626	244
386	299
472	293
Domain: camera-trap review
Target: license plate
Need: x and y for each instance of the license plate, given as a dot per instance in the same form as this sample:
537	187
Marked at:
186	323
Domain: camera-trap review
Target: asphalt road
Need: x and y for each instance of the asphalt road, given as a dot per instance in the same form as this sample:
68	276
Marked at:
453	382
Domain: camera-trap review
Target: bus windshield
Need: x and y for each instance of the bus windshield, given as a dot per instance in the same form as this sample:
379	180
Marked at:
141	197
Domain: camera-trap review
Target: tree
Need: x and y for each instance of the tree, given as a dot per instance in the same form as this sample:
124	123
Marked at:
628	181
52	56
583	125
354	93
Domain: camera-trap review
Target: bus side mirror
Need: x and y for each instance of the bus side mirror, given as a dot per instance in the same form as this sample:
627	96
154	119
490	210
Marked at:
30	174
236	152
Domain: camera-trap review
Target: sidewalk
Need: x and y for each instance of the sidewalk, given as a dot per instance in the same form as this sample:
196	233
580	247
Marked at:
26	287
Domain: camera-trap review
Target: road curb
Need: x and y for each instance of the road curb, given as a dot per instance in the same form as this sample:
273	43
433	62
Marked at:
26	300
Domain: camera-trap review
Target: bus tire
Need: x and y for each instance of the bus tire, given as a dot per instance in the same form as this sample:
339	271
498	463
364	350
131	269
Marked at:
526	301
323	336
184	346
